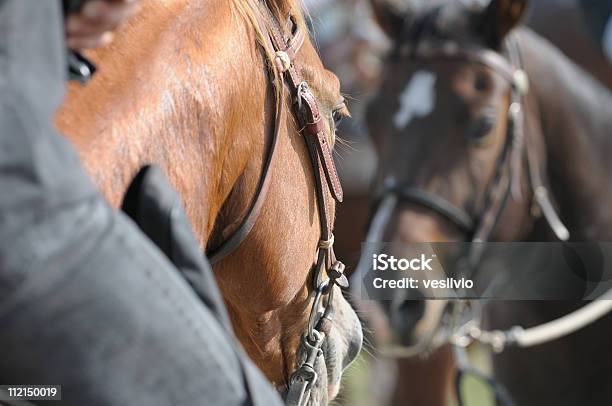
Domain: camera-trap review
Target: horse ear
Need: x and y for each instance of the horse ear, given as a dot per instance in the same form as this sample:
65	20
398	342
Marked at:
499	18
391	16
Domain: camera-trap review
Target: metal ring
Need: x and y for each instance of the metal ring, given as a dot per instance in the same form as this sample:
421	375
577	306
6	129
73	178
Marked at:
307	340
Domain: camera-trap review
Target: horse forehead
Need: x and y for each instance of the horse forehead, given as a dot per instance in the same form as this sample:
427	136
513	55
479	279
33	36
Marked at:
417	99
333	80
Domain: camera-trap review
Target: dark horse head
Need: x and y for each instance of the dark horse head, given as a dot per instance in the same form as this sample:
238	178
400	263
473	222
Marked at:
484	133
444	130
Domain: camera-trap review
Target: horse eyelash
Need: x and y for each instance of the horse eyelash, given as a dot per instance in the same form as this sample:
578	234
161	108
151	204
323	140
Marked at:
341	109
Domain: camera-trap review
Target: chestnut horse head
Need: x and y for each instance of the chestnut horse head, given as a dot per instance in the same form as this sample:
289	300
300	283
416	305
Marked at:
198	88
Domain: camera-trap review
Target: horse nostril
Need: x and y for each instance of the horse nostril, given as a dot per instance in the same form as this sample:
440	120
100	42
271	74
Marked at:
481	127
405	318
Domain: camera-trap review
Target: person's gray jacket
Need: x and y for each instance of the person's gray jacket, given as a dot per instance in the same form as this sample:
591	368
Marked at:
86	300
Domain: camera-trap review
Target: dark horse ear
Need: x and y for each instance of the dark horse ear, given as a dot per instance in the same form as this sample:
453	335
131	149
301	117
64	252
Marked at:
392	15
498	19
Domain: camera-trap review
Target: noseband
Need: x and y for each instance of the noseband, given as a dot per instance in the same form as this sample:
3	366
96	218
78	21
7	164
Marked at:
286	44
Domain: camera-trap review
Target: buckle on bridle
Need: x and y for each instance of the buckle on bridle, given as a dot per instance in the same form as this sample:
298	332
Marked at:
301	89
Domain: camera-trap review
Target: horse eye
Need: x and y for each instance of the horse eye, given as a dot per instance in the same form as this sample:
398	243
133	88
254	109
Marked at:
338	116
481	82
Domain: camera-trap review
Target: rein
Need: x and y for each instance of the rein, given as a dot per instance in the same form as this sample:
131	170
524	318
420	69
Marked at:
286	45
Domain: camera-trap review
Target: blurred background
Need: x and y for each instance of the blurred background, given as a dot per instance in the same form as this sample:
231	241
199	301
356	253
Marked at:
353	46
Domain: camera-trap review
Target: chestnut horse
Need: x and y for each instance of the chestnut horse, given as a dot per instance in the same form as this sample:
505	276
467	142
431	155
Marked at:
442	124
187	85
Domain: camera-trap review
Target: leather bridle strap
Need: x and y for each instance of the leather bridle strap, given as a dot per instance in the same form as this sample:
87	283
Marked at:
475	54
326	182
436	203
317	140
237	238
254	210
250	218
314	127
480	227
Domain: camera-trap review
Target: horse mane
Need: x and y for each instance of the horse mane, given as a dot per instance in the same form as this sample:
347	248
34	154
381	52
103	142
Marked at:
281	9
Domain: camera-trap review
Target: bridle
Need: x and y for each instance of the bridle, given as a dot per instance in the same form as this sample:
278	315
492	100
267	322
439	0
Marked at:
508	168
286	41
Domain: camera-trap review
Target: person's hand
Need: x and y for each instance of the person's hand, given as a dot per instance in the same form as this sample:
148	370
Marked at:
92	26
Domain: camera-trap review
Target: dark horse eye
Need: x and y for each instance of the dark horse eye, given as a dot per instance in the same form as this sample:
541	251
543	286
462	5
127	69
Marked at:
481	82
338	116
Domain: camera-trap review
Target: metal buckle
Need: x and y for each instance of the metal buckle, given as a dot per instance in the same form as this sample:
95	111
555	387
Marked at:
301	89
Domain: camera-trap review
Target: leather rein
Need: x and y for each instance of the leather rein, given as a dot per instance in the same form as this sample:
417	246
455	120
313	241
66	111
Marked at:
286	76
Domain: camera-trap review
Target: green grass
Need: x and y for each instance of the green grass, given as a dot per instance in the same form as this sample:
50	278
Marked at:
358	383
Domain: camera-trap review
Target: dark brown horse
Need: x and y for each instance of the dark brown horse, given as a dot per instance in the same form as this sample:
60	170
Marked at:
187	85
564	24
440	125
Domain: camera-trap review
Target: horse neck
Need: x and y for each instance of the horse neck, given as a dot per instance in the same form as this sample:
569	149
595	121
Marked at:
188	112
573	114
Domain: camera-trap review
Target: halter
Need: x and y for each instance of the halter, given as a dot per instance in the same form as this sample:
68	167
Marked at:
286	45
